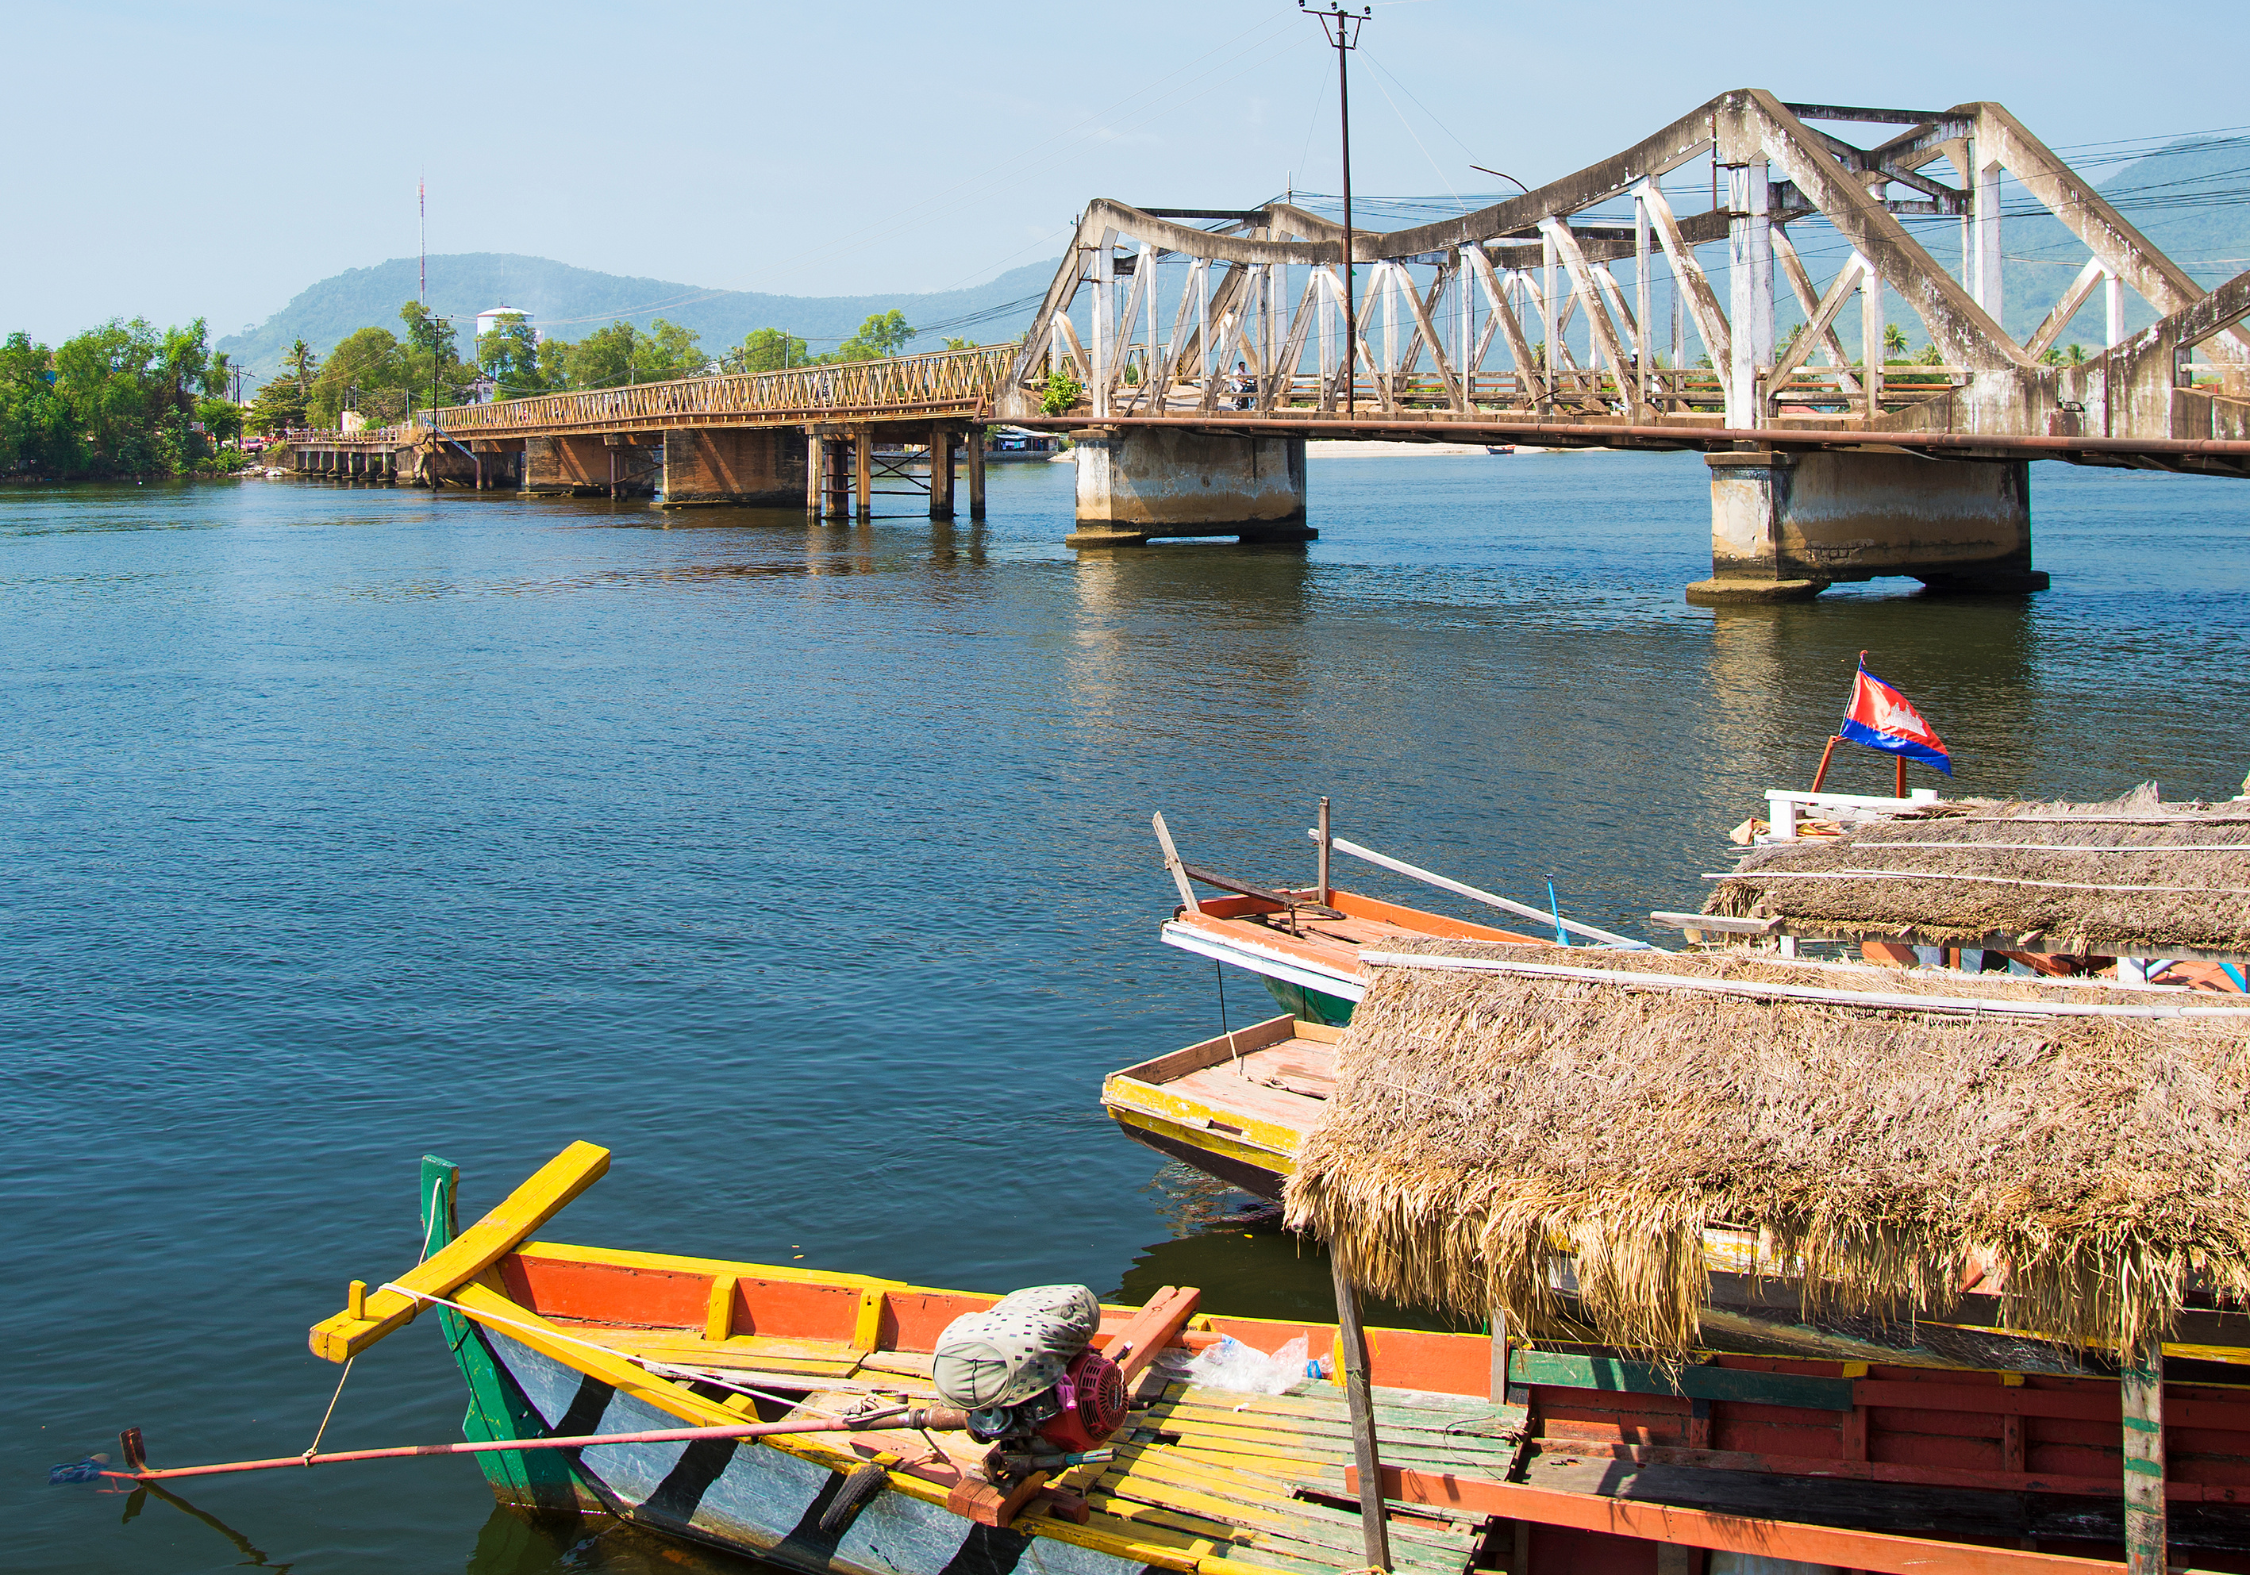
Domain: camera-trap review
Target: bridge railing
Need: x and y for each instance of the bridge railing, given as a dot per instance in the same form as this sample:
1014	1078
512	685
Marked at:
941	382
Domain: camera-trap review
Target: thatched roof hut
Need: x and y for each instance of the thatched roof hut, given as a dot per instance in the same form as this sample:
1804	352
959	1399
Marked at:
2131	878
1492	1129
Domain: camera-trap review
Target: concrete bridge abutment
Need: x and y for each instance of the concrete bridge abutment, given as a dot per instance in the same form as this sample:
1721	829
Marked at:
1136	485
1785	526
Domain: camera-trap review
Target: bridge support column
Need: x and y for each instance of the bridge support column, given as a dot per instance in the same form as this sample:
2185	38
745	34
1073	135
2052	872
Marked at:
863	471
816	457
1786	526
976	473
942	439
565	466
1140	484
837	454
759	466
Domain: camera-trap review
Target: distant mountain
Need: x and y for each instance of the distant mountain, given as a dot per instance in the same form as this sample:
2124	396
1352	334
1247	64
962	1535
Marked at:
2191	199
555	293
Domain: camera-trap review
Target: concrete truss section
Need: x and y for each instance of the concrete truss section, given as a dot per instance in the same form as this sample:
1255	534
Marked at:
1515	320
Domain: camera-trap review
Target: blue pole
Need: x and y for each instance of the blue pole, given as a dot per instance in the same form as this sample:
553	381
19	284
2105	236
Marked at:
1562	937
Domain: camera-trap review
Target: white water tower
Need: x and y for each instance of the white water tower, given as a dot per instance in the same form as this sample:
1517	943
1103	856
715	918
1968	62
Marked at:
489	318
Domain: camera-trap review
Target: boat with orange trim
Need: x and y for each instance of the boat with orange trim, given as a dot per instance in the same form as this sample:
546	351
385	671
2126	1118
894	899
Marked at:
1304	943
1535	1460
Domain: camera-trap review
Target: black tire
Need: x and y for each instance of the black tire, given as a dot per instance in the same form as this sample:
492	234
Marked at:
858	1488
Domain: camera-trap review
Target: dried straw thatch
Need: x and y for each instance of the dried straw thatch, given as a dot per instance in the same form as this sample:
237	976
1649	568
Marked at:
1485	1128
2132	877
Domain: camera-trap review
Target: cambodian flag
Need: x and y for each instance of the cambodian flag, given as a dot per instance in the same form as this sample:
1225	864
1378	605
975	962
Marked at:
1880	717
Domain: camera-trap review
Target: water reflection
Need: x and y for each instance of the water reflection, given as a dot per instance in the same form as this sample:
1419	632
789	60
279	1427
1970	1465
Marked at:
252	1554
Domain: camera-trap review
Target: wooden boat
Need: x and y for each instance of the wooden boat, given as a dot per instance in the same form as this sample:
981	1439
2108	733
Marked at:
1235	1107
1239	1106
1306	952
1304	943
1534	1461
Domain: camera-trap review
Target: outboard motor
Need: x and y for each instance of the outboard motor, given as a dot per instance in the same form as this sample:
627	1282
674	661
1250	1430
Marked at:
1023	1372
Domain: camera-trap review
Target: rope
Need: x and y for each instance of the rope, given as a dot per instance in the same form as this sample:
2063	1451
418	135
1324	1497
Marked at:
648	1364
313	1448
430	1229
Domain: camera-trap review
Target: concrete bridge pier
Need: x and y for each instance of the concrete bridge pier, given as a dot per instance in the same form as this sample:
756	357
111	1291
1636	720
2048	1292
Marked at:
1787	525
1136	485
566	466
759	467
835	486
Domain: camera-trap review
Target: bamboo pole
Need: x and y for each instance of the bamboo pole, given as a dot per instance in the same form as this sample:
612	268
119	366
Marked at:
2140	1394
1374	1525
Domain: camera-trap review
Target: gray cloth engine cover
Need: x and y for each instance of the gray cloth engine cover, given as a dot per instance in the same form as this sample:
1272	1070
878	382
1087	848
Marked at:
1014	1348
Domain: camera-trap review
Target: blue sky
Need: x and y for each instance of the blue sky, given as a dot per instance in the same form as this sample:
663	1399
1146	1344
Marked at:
204	159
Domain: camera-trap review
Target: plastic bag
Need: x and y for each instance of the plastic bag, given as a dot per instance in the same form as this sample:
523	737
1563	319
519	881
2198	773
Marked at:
1246	1370
88	1470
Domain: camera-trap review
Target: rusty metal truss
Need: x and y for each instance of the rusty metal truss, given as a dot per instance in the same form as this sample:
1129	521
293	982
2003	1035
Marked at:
1243	322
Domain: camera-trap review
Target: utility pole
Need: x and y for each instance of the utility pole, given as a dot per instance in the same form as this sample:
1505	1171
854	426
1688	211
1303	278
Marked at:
1341	29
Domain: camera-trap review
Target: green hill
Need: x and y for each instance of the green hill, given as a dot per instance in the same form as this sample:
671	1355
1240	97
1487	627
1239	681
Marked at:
2192	200
554	293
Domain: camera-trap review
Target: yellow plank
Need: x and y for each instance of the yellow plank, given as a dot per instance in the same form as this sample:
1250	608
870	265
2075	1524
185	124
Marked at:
1134	1544
718	1312
1176	1519
1167	1490
867	1330
471	1253
816	1358
673	1263
1188	1118
1210	1142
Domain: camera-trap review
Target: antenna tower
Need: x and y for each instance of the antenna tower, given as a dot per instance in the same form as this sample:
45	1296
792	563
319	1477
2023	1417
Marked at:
422	201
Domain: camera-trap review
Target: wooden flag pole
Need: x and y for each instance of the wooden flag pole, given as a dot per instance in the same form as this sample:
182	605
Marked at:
1901	778
1826	755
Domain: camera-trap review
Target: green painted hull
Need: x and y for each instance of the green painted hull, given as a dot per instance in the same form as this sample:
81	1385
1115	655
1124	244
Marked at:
542	1479
1308	1006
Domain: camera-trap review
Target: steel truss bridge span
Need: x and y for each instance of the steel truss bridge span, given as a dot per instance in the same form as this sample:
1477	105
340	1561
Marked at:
1455	317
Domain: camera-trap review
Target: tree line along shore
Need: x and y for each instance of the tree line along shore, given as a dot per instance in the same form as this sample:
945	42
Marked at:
128	400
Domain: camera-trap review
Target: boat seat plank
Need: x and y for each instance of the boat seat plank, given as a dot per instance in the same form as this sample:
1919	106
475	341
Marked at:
1199	1457
1163	1465
1229	1094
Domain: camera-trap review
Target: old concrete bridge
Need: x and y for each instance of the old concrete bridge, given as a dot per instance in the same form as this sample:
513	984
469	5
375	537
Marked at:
1204	355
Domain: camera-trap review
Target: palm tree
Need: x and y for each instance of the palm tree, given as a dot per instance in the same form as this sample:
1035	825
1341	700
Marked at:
304	363
1894	339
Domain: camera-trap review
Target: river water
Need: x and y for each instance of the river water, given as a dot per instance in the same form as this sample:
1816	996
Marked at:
809	870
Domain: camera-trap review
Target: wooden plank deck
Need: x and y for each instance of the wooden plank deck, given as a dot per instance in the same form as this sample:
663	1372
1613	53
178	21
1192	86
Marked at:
1261	1476
1265	1474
